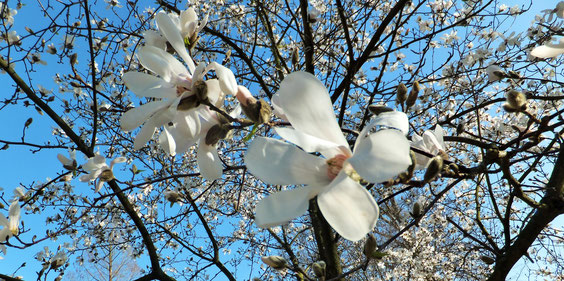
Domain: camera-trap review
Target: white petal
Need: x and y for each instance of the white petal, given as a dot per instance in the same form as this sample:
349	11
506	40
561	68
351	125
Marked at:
439	134
278	111
348	207
393	119
161	63
134	117
281	207
153	38
172	34
227	81
381	156
95	163
548	51
117	160
99	185
307	106
64	160
14	212
214	92
145	85
166	141
3	222
157	120
209	162
277	162
188	15
309	143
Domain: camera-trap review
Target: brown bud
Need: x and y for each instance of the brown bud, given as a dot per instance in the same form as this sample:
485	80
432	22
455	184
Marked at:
434	169
188	103
200	89
401	93
319	269
258	111
73	59
377	109
106	175
370	246
215	133
417	210
487	260
413	95
516	101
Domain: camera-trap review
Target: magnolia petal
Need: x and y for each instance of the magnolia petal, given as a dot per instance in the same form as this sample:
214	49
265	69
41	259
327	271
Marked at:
187	16
136	116
309	143
172	34
94	163
209	162
348	207
282	207
3	222
14	213
166	141
548	50
276	162
145	85
215	94
439	134
307	106
64	160
117	160
99	185
393	119
157	120
278	111
161	63
4	235
381	156
153	38
227	81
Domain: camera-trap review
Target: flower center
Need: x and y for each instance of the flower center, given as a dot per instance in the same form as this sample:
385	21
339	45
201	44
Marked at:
335	165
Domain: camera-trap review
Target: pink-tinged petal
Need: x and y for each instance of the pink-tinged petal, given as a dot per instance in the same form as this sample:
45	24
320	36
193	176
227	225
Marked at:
172	34
227	81
393	119
209	162
282	207
348	207
307	106
276	162
135	117
548	51
157	120
310	143
145	85
381	156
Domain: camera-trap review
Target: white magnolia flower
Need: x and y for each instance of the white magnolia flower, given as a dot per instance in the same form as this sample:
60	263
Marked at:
187	22
348	207
58	260
11	224
431	142
98	169
549	50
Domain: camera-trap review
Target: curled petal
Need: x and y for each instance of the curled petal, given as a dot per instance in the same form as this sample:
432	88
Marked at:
172	34
381	156
282	207
99	185
209	162
307	106
549	50
348	207
117	160
309	143
167	142
393	119
277	162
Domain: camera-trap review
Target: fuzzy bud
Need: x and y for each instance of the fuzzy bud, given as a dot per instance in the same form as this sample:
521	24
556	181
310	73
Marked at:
417	210
370	246
434	169
276	262
106	175
401	93
413	95
516	101
258	111
172	196
319	269
377	109
215	133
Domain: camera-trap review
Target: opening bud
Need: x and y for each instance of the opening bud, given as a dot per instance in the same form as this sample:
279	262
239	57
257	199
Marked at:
172	197
516	101
434	169
401	93
413	95
106	175
276	262
198	96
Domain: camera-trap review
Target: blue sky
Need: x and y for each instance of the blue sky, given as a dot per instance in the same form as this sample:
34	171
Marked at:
20	165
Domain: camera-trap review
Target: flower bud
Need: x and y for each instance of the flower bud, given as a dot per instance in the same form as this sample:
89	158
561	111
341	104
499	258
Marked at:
417	209
258	111
413	95
377	109
172	196
516	101
487	260
188	103
434	169
401	93
370	246
319	269
215	133
495	73
276	262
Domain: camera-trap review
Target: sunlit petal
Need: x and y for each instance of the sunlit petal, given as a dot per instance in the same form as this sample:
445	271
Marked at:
283	206
145	85
348	207
172	34
135	117
209	162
